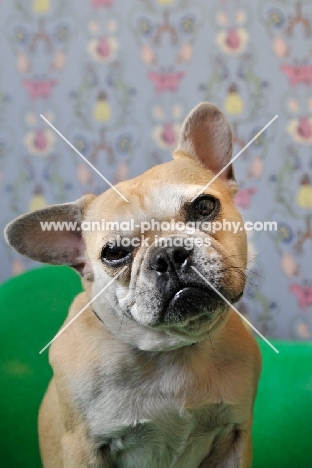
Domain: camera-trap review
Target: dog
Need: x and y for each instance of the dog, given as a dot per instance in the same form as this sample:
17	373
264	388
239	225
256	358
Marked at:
157	371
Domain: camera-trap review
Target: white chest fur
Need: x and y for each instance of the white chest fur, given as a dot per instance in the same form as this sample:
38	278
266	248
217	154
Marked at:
175	443
155	414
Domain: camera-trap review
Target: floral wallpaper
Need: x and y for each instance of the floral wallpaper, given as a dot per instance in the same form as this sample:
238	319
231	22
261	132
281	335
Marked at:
117	79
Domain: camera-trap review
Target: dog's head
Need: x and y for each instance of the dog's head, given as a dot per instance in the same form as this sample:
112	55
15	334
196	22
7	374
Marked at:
166	294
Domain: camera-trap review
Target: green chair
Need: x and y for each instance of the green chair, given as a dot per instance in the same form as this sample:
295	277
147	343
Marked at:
34	305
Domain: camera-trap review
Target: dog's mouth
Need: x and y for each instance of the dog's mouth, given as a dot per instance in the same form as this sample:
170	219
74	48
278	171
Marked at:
191	306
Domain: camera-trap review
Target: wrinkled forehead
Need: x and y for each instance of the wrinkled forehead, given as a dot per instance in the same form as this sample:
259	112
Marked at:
165	200
161	201
160	192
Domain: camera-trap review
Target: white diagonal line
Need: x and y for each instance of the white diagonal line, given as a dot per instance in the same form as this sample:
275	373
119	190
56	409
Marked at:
235	310
84	308
235	157
85	159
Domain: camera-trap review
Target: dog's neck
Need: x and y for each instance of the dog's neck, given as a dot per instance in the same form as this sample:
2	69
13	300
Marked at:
167	350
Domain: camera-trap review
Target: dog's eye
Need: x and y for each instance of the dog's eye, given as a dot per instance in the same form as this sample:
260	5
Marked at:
114	254
205	206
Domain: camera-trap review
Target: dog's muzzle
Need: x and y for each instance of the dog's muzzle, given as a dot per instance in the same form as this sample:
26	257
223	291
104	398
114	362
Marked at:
185	294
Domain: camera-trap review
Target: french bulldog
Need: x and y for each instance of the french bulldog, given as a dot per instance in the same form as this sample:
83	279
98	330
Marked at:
157	371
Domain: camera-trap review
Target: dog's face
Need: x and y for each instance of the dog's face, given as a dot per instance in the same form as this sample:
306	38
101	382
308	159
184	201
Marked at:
160	299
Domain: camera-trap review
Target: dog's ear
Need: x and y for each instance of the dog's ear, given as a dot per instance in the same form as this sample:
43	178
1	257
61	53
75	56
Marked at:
31	235
206	137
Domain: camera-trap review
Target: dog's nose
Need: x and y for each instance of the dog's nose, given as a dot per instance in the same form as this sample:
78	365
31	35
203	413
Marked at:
165	257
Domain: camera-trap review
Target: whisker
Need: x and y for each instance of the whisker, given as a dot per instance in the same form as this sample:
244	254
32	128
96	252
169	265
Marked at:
122	317
213	351
222	317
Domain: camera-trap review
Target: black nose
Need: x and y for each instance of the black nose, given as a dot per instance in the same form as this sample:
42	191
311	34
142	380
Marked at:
164	258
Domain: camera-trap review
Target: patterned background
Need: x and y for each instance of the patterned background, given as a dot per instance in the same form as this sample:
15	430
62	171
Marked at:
117	79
